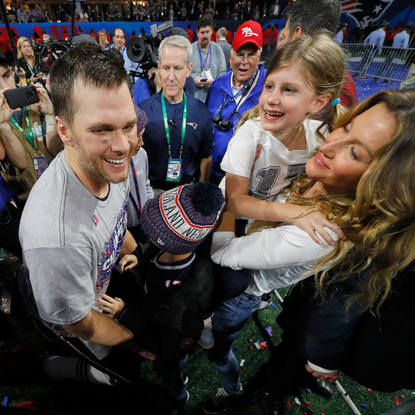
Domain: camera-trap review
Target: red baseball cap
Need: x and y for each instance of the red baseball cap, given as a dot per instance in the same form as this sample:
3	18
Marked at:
249	32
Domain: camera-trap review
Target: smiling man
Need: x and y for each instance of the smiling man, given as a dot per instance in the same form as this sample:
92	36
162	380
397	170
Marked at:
178	137
237	91
75	221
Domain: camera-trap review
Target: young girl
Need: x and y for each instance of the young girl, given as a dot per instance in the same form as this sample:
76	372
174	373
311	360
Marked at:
275	139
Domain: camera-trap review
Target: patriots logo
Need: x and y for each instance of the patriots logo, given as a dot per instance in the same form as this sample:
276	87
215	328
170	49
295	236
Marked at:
192	124
363	12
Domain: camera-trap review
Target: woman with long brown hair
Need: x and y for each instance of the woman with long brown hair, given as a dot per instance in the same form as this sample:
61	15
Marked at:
362	180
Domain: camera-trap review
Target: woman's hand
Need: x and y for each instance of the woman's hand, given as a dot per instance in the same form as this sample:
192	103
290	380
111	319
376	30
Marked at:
34	78
45	104
331	377
20	72
112	306
6	112
313	221
127	262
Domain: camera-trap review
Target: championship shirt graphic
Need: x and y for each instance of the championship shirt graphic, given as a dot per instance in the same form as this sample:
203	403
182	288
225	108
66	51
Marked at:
363	11
111	250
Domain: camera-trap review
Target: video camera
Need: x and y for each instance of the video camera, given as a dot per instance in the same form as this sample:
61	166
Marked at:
49	52
144	50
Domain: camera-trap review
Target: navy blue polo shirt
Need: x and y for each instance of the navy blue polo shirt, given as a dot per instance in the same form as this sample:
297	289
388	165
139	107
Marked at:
198	142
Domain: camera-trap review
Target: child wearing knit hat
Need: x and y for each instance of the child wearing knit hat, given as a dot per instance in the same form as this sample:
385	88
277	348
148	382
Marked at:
177	221
168	319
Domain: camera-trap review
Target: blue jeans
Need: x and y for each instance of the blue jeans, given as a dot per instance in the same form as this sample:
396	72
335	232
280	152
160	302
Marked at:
227	321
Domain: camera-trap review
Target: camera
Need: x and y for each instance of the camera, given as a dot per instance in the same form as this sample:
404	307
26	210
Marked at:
222	125
21	97
144	50
47	53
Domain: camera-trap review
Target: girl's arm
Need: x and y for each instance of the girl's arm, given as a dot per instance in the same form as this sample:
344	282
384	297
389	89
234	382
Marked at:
313	222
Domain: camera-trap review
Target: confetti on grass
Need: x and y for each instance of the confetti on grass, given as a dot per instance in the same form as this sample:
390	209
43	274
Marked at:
397	401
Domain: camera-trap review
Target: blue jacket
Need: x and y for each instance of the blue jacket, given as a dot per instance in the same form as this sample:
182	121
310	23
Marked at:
221	86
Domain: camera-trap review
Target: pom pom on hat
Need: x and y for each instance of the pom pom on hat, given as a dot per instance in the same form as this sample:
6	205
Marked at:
179	219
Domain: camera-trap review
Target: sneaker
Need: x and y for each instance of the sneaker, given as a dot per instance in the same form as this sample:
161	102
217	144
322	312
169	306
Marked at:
206	340
266	301
166	401
220	401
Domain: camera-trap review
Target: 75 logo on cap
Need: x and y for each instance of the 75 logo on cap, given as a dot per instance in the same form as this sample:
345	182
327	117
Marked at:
248	32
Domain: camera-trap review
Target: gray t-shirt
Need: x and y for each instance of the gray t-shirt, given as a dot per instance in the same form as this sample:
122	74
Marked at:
218	66
70	241
145	190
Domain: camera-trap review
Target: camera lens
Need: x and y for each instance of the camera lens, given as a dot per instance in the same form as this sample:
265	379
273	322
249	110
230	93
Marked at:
29	95
217	119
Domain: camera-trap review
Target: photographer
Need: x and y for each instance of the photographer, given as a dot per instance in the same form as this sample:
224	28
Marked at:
33	126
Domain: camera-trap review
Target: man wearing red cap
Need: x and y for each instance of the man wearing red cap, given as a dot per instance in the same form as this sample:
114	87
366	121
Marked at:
237	91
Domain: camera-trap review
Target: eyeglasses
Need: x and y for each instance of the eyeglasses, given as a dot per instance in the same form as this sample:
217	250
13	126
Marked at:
239	57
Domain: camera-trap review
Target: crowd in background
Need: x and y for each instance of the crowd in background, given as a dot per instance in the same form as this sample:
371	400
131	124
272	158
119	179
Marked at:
21	12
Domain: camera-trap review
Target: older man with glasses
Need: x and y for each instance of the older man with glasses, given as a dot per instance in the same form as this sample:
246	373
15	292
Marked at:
237	91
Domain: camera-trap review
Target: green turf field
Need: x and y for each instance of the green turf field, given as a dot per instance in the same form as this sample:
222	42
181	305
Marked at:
21	380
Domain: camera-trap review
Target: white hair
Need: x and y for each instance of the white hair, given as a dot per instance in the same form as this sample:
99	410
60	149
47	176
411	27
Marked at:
179	42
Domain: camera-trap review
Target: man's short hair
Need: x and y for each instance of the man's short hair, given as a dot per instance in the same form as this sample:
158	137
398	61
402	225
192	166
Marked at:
179	42
205	20
119	28
313	16
91	66
222	32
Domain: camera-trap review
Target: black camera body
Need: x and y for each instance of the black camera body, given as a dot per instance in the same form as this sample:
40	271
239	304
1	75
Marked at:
224	125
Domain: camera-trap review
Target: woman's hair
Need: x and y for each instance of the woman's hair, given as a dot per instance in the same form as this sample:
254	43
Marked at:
322	63
102	35
19	47
379	221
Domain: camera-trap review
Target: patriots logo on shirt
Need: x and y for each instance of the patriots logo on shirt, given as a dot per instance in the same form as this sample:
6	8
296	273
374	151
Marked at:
193	124
95	220
364	12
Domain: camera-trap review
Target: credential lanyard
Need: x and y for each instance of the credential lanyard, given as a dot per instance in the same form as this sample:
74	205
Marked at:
203	64
166	124
243	91
136	207
29	137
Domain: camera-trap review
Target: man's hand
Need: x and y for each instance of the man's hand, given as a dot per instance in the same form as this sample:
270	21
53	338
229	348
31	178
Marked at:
331	377
45	104
155	74
198	82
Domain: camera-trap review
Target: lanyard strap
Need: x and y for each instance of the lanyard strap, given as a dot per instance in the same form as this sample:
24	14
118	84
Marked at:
137	208
166	124
243	91
201	58
30	69
29	137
